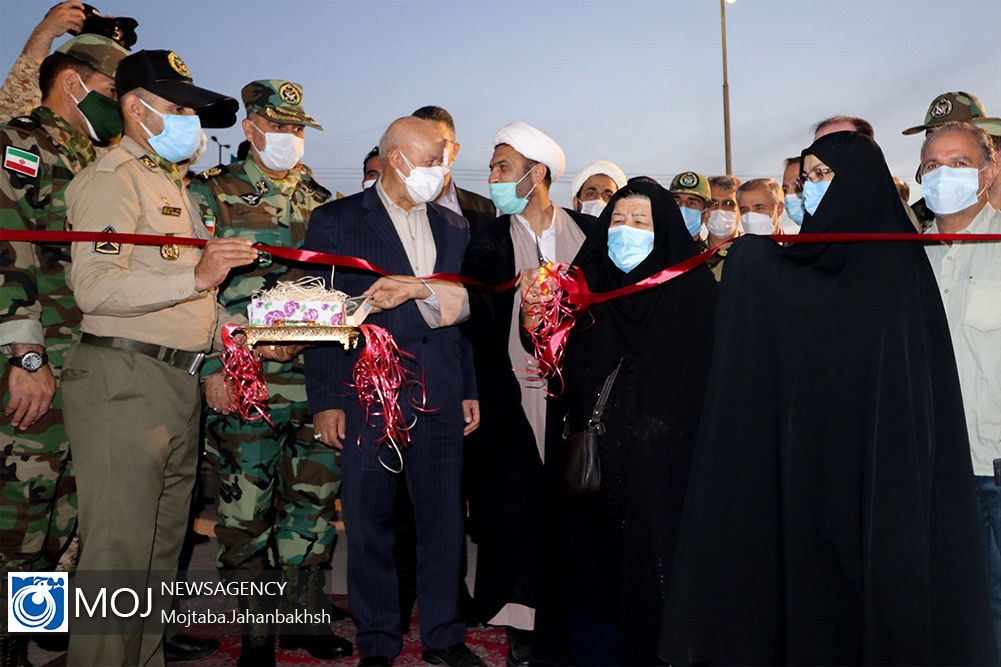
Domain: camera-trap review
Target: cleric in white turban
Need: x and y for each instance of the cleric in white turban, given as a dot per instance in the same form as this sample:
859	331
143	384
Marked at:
507	471
594	185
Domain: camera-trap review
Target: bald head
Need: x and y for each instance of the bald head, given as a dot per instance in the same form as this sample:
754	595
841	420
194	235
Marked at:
408	142
409	133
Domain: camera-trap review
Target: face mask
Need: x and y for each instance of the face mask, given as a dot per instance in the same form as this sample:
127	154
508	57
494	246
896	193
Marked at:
201	148
693	219
366	184
100	112
949	190
282	150
757	223
794	207
813	193
722	224
628	246
423	183
179	138
592	207
505	196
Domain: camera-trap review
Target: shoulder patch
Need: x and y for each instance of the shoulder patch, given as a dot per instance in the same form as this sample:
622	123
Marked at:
107	247
147	162
319	193
251	199
21	161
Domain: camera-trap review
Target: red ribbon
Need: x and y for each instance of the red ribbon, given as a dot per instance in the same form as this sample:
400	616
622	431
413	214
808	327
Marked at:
244	378
379	376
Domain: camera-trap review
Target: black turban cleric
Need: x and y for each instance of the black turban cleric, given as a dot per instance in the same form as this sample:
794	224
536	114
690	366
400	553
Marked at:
830	516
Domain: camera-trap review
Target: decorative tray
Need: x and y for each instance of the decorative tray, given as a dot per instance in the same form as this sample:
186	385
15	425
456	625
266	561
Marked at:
345	335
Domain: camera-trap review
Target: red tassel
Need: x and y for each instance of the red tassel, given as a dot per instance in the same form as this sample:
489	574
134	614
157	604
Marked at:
245	383
379	376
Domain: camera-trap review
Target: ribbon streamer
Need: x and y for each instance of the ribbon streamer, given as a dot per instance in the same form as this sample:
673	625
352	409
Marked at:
379	376
244	378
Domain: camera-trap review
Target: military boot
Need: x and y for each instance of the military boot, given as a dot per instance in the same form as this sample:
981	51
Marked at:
305	593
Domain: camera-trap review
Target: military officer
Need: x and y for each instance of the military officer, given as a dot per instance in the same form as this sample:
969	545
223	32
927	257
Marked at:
277	484
38	316
130	386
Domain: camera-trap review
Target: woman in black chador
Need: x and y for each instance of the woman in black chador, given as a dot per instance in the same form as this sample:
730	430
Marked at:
607	565
830	517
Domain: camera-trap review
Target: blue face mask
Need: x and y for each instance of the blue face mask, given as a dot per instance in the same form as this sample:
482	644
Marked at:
813	193
795	209
180	138
950	190
506	199
693	219
628	246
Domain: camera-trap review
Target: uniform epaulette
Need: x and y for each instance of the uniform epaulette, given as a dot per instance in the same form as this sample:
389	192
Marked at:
113	159
26	123
320	193
211	172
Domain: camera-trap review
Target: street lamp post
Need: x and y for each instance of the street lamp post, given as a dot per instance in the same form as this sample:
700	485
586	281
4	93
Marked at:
222	145
726	87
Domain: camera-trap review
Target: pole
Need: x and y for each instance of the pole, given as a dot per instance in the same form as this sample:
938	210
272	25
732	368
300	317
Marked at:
726	90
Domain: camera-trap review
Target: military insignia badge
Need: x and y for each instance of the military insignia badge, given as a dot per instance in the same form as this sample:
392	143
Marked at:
178	65
170	251
688	180
147	162
21	161
941	108
289	93
209	173
251	199
171	211
107	247
209	221
261	186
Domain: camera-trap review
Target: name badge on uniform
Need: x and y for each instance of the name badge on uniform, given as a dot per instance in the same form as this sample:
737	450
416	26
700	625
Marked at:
171	210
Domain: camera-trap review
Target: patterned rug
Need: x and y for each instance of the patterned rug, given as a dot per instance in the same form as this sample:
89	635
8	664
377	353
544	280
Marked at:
487	642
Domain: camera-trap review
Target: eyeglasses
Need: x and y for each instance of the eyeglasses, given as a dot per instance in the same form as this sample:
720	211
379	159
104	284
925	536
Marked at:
815	175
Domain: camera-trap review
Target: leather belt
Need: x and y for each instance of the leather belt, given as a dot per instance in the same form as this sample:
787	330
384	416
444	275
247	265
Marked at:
183	359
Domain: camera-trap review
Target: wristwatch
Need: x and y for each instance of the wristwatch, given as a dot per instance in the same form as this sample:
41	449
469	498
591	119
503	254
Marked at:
30	361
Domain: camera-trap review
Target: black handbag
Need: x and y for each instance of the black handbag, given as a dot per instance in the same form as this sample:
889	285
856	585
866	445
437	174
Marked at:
582	474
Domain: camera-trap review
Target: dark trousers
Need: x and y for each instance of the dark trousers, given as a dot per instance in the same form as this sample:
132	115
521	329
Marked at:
989	497
432	466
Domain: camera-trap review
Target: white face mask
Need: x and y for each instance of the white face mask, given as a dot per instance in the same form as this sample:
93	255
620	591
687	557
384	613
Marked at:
282	150
722	224
367	183
949	190
757	223
423	183
592	207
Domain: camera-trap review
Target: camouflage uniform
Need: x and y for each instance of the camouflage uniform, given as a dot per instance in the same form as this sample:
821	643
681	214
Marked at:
277	485
19	94
38	506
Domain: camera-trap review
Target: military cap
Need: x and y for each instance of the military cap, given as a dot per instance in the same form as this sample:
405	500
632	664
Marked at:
688	182
957	107
277	100
163	73
101	53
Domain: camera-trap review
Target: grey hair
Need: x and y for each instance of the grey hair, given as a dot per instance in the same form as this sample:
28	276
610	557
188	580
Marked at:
984	141
774	189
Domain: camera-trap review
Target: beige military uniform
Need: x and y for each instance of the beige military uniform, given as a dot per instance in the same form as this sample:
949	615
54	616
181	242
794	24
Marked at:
132	418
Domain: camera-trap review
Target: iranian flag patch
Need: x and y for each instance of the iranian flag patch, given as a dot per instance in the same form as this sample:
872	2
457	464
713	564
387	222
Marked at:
22	162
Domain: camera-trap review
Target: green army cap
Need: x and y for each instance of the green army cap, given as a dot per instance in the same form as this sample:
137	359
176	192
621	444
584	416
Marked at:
101	53
277	100
688	182
958	107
